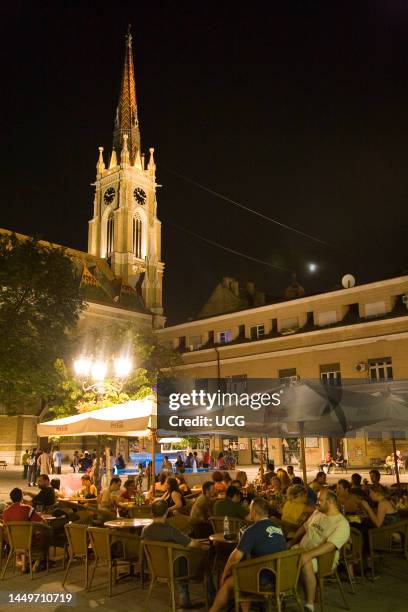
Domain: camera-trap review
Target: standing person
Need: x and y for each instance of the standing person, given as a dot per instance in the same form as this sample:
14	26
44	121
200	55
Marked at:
75	462
207	458
166	465
179	464
120	462
24	460
44	463
221	462
57	460
32	468
291	472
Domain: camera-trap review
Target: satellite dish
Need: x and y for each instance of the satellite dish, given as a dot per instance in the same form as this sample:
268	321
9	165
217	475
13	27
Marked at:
348	281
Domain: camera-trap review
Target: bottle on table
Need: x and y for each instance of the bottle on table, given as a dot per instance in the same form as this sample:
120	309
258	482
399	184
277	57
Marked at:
226	526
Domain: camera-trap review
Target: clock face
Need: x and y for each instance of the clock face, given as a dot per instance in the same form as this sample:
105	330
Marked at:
109	196
140	195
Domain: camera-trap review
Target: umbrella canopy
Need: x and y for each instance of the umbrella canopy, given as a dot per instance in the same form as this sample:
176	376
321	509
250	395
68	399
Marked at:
131	419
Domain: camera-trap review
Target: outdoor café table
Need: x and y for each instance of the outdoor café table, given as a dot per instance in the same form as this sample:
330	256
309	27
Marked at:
47	517
221	550
128	523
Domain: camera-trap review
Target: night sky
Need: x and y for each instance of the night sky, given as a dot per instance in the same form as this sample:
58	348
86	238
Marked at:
297	109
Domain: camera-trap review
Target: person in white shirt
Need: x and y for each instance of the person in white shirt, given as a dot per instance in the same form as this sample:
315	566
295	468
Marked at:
326	530
44	463
57	460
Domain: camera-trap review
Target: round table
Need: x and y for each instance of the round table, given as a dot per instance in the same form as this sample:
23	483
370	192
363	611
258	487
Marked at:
127	523
219	538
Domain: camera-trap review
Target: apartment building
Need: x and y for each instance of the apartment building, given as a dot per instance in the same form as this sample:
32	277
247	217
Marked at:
355	333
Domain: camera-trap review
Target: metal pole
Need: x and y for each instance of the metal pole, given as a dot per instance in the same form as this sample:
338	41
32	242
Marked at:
303	459
153	466
261	460
394	449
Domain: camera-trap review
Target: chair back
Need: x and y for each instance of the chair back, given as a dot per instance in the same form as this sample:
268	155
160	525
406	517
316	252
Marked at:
100	542
288	565
217	523
181	522
19	534
158	559
77	537
380	538
356	538
325	564
285	566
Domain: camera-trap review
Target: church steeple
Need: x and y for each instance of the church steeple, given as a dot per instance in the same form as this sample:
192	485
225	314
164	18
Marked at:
126	120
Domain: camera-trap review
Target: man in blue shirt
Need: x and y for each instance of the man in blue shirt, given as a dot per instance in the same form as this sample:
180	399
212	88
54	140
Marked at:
262	538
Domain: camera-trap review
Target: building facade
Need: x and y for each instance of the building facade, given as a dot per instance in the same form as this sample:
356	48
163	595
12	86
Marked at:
357	333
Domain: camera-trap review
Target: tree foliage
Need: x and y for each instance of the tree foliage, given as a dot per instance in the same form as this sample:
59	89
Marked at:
40	303
148	357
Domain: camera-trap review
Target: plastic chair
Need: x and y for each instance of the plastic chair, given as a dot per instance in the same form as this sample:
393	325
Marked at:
326	568
101	542
78	540
352	553
161	559
285	567
19	536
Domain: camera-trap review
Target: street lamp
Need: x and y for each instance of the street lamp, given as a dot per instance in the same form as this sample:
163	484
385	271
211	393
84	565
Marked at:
93	372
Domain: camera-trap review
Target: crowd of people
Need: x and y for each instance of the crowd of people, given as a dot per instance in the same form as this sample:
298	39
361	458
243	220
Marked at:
275	513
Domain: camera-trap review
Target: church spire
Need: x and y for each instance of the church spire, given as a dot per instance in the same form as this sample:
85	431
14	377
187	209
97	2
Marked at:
126	121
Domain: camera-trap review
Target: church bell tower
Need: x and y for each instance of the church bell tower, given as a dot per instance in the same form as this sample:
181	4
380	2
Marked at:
125	229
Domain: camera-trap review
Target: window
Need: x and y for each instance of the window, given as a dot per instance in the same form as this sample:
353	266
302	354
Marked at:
236	384
257	332
211	337
241	331
182	343
110	235
330	374
196	342
326	318
375	309
274	326
137	237
289	325
224	336
380	369
288	375
201	384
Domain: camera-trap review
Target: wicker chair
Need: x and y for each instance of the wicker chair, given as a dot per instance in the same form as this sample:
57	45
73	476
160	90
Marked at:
381	540
161	559
352	554
19	536
78	541
284	566
3	543
326	568
181	522
101	542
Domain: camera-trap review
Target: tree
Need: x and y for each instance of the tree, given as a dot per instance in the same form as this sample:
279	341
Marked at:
150	360
40	303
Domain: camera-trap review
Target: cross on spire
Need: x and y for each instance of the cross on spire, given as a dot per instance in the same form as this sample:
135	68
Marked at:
126	121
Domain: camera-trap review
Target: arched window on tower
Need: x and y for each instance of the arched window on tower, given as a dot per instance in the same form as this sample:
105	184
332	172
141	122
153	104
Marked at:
110	235
137	237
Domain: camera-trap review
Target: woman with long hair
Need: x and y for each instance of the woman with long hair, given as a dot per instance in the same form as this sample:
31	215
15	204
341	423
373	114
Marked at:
284	478
386	513
173	496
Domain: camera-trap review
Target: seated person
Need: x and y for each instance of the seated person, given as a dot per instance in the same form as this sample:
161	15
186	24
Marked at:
296	510
88	490
219	484
386	513
160	531
262	538
339	459
291	472
284	478
319	482
46	497
311	495
356	488
231	505
183	486
201	511
226	479
108	500
375	478
173	496
120	462
129	490
350	502
326	530
159	487
270	472
18	511
328	462
56	485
